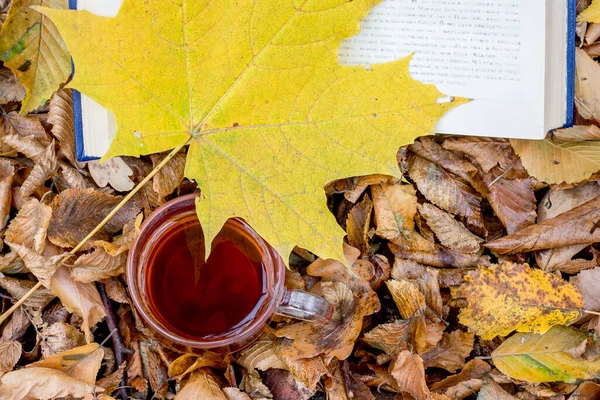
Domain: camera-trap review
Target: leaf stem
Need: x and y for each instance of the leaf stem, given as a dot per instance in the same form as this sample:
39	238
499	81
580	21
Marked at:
128	197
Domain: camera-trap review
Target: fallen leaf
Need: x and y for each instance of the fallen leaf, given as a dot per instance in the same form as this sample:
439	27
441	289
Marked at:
509	297
446	190
308	371
332	339
380	379
82	298
30	226
409	373
60	337
427	148
34	50
395	208
261	356
235	394
450	232
360	135
577	133
112	381
587	390
587	75
157	373
98	265
10	352
410	334
591	13
16	326
358	225
60	115
487	152
189	363
44	168
558	162
408	298
15	127
7	172
42	383
440	257
254	386
114	172
465	383
42	267
588	282
17	288
335	386
170	175
116	291
70	178
76	212
451	352
545	358
10	89
492	391
577	226
81	363
284	386
201	385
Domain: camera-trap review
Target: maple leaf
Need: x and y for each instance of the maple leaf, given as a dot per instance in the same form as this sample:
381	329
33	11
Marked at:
510	297
257	90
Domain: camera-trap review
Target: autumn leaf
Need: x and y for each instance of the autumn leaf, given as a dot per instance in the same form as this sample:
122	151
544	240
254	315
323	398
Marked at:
465	383
42	267
577	133
61	116
487	152
409	373
248	100
170	176
10	89
509	297
450	352
29	227
81	362
10	352
188	363
450	232
98	265
201	386
32	48
551	357
60	337
490	390
591	13
114	172
588	282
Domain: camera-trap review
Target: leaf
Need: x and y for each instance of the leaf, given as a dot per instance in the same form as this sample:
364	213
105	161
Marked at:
465	383
189	363
32	48
263	155
284	386
81	362
170	176
555	162
60	115
253	385
487	152
115	172
577	226
450	232
509	297
44	168
98	265
358	225
451	352
395	208
587	76
492	391
76	212
17	288
112	381
261	356
7	172
201	386
10	89
42	383
10	352
408	297
60	337
235	394
409	373
446	190
410	334
545	358
82	298
332	339
29	227
577	133
588	283
587	390
591	14
42	267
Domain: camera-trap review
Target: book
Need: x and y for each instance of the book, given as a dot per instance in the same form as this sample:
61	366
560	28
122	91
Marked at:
514	59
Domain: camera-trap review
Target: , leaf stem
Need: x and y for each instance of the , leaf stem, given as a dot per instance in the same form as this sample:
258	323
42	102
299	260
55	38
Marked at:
128	197
591	312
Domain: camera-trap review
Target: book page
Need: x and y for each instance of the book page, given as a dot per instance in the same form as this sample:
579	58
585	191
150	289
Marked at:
491	51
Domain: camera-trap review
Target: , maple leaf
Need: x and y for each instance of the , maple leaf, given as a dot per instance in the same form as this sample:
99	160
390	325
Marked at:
554	356
32	48
509	297
257	90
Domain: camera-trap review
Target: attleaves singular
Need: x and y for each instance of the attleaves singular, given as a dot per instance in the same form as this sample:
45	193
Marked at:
249	107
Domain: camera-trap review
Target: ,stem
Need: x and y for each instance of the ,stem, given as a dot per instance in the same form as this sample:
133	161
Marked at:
128	197
591	312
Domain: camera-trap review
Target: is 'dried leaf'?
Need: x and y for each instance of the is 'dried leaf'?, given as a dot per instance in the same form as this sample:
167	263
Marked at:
30	226
32	48
251	90
62	119
115	172
509	297
555	356
592	13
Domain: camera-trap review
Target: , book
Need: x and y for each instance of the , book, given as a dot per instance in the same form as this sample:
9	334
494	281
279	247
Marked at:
513	58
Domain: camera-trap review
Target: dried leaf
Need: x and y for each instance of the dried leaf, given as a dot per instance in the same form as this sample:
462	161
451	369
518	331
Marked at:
42	267
42	383
10	352
261	356
17	288
254	386
462	384
510	297
395	208
76	212
15	127
82	298
70	178
450	232
587	75
6	179
591	14
335	338
451	352
587	390
16	327
188	363
116	291
545	358
60	115
358	225
284	386
410	334
44	168
430	150
408	298
114	172
446	190
30	226
235	394
170	175
487	152
60	337
112	381
440	257
588	283
98	265
492	391
81	363
409	373
577	226
577	133
10	89
201	386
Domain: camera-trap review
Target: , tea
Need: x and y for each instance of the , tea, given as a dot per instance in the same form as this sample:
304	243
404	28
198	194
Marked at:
197	299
